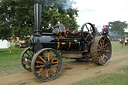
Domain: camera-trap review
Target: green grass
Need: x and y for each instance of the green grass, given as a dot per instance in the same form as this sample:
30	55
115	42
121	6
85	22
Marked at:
10	63
106	79
118	49
118	78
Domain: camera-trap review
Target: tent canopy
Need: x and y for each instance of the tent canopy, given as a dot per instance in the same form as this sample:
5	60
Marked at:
4	44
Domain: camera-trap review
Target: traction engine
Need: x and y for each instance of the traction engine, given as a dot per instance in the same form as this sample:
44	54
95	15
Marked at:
45	52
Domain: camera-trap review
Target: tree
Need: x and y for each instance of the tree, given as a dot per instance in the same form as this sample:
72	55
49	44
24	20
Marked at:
17	16
117	27
61	10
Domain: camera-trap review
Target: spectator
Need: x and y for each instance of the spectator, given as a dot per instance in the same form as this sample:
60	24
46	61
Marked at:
122	41
125	42
95	29
105	31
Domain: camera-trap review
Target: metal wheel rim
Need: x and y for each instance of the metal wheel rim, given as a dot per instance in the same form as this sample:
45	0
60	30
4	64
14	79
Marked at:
39	67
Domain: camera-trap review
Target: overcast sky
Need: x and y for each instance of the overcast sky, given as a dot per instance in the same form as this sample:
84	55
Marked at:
100	12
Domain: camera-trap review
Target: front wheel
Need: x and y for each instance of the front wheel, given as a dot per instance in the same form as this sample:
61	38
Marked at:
46	64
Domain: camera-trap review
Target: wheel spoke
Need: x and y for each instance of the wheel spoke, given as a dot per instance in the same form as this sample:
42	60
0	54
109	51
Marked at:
102	58
105	56
42	59
47	73
103	42
27	59
54	62
50	72
53	59
48	57
98	54
39	62
100	43
51	56
40	70
107	51
105	45
44	55
53	70
98	49
54	66
99	46
43	72
26	65
87	27
39	66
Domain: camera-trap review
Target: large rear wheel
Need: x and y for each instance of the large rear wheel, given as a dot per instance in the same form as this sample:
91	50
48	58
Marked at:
46	64
101	50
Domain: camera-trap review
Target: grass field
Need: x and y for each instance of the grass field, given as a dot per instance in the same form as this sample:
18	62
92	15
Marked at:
10	63
118	78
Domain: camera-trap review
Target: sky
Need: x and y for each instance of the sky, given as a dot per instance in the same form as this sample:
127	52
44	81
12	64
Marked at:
100	12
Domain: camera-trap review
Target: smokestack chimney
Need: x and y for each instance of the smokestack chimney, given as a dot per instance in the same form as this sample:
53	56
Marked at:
37	18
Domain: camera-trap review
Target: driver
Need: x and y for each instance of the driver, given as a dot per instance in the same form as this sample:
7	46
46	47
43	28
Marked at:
105	31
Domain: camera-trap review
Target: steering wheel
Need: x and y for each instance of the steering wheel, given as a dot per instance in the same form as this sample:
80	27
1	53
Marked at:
88	33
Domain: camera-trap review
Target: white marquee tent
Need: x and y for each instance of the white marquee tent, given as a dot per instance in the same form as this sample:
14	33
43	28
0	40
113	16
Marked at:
4	44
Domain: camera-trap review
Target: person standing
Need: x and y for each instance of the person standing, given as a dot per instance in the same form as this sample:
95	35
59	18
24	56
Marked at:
95	29
105	31
125	42
122	41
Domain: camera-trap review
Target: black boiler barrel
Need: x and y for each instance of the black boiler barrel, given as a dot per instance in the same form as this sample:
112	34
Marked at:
53	42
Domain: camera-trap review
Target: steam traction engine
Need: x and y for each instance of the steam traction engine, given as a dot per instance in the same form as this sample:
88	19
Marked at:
45	52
